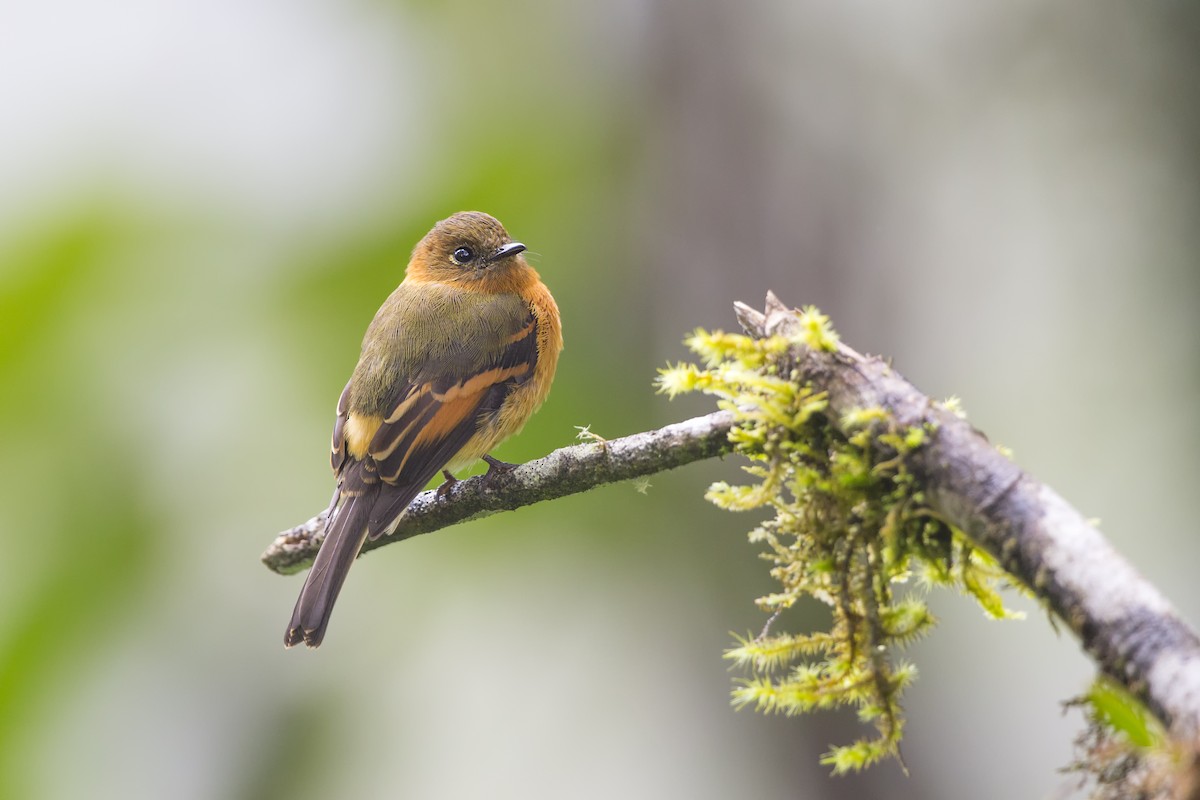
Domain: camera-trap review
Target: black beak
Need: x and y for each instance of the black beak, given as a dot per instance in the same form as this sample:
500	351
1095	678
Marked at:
510	249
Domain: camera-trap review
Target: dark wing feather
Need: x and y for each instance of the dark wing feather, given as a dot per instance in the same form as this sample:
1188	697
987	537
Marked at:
430	422
337	453
457	424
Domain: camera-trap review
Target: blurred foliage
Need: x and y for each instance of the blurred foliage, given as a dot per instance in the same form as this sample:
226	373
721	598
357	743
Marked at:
94	558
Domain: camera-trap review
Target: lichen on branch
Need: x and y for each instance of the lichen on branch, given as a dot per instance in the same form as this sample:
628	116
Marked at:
850	528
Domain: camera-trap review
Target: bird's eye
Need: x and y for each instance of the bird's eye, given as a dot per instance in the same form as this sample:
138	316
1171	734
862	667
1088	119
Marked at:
463	255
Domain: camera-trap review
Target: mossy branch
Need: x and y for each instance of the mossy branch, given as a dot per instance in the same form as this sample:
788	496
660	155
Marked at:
569	470
1126	625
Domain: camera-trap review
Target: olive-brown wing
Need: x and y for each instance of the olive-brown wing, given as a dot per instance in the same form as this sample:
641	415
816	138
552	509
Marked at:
432	420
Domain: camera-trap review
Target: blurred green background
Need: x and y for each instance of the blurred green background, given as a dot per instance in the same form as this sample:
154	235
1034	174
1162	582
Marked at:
203	203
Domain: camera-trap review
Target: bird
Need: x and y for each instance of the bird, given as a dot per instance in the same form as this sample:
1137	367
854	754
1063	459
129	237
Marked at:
456	360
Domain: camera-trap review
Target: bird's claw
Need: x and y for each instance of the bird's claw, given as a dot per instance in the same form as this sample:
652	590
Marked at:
497	467
447	485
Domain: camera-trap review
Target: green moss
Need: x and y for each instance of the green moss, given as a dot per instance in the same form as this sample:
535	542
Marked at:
1124	715
848	527
1123	752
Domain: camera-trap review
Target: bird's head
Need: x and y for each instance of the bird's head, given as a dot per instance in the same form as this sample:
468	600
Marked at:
469	248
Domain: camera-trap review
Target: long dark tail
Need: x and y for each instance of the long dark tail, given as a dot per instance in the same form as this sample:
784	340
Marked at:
344	536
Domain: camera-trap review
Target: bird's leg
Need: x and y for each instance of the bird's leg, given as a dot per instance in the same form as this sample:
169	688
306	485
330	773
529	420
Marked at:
446	486
497	467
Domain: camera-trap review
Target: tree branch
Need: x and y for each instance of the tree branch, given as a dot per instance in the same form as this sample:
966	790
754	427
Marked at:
1125	624
566	471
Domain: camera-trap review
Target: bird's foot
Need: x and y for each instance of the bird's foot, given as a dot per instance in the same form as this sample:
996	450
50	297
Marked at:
447	485
497	467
